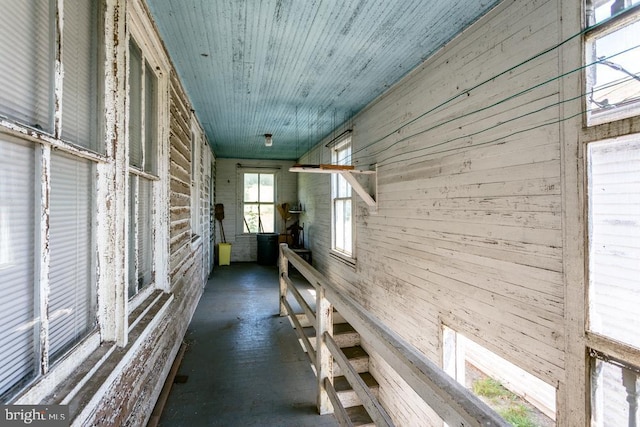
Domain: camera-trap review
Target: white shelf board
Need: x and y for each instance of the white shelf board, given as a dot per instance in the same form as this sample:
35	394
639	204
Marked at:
348	174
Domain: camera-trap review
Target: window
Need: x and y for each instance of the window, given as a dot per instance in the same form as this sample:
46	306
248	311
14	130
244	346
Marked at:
614	271
47	205
612	57
143	119
27	63
341	202
19	349
515	394
72	296
28	82
614	238
258	207
615	391
196	227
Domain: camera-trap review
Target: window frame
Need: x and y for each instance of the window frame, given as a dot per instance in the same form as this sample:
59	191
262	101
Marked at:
196	181
116	315
598	347
241	205
47	144
338	181
593	32
154	60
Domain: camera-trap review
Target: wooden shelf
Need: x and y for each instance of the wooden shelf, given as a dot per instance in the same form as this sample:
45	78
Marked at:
324	168
347	171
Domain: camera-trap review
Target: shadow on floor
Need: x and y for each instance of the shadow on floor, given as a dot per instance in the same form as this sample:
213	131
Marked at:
243	362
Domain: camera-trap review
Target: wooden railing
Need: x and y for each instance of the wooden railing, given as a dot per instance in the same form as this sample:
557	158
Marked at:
456	405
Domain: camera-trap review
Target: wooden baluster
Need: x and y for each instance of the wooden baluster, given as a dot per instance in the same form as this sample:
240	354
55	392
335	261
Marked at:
284	272
324	360
630	382
597	393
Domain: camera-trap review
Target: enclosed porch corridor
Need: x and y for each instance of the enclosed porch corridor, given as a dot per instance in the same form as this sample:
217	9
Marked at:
243	361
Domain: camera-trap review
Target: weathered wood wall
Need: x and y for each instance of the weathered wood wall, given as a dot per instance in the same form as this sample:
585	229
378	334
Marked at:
130	398
468	231
229	193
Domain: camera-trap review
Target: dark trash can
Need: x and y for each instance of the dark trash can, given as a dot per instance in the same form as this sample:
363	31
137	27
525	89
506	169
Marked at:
267	248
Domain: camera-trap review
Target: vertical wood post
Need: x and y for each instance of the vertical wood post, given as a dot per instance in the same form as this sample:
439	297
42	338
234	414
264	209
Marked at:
324	360
630	383
284	271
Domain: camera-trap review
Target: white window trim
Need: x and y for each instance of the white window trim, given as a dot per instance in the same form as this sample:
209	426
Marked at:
600	29
153	53
346	258
196	181
50	375
240	195
610	126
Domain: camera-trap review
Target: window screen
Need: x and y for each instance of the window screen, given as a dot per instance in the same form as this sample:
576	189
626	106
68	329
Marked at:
26	62
72	297
19	332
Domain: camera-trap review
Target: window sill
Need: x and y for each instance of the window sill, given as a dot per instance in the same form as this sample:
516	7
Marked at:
74	380
344	259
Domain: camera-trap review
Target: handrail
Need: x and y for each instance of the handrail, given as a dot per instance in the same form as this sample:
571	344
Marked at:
339	411
311	316
311	353
374	408
456	405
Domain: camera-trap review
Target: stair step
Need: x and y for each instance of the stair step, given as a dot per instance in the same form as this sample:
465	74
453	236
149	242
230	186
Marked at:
337	318
343	334
358	358
359	417
347	395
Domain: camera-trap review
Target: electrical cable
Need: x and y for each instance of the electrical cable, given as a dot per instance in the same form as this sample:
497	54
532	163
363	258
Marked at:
467	91
385	163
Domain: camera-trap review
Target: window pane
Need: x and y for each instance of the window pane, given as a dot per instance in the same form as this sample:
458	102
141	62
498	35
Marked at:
343	237
141	271
80	84
341	194
614	246
348	230
344	188
613	83
611	387
267	215
133	241
135	105
343	155
145	232
19	330
250	187
72	297
339	228
267	189
151	119
607	8
250	218
26	62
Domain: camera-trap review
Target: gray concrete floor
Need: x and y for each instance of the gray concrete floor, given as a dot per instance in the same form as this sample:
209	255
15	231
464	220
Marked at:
243	362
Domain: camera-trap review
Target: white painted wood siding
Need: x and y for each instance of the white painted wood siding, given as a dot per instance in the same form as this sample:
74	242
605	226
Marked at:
468	230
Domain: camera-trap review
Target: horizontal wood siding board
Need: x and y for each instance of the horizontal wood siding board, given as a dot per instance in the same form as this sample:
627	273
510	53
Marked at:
468	228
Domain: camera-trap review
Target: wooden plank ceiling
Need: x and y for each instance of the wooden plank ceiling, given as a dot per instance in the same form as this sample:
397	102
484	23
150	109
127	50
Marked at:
297	69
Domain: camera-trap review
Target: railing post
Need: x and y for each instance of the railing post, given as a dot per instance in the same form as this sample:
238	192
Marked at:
630	383
324	360
284	271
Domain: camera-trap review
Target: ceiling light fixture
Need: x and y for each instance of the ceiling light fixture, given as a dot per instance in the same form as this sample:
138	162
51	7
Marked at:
268	141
